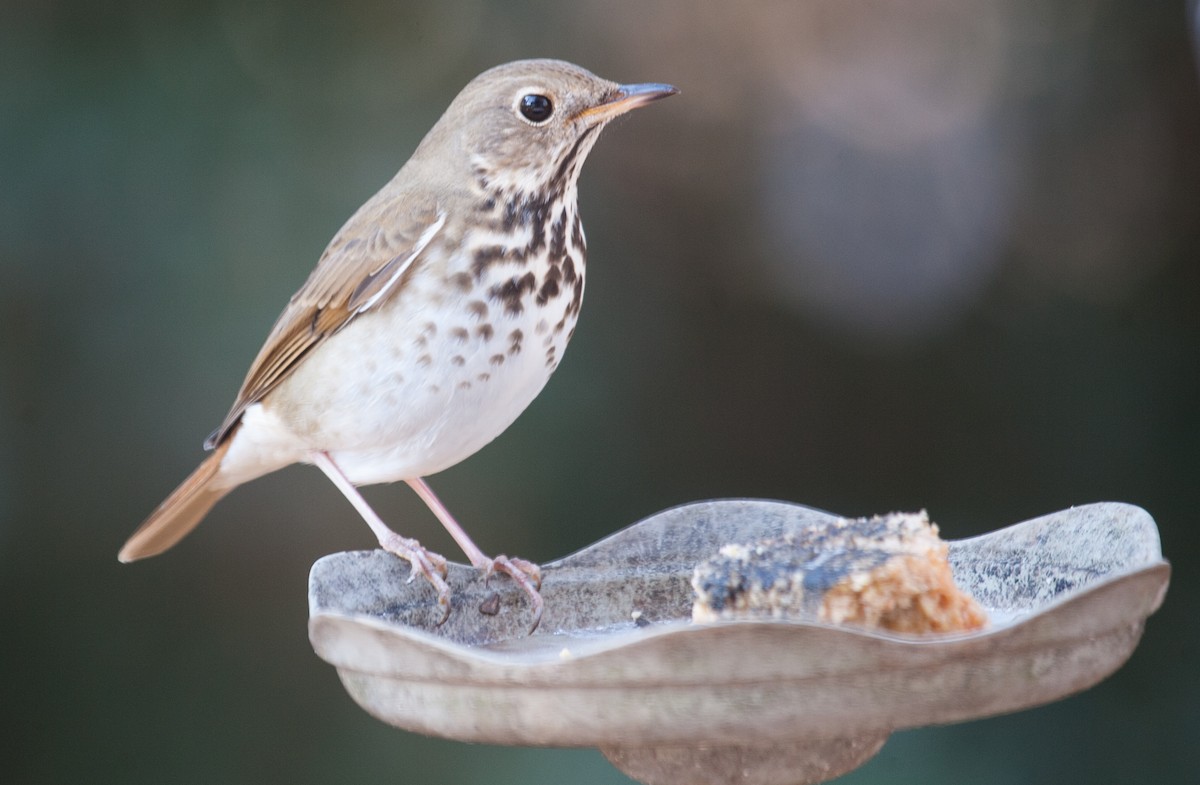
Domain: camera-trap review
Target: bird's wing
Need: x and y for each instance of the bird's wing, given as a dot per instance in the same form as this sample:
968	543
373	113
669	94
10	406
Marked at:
366	264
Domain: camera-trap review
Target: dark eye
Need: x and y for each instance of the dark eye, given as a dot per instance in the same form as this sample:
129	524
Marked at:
536	108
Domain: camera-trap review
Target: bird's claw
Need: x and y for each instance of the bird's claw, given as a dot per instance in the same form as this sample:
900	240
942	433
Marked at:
432	567
526	574
433	570
428	565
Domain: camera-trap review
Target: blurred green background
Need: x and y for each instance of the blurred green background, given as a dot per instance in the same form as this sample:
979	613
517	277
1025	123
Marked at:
872	258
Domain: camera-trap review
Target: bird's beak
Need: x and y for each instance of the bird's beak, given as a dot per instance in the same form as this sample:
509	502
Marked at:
624	98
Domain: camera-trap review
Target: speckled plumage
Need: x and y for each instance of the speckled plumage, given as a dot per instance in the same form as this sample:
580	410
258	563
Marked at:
433	318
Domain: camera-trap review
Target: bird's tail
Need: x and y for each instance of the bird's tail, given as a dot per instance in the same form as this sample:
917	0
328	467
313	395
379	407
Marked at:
181	511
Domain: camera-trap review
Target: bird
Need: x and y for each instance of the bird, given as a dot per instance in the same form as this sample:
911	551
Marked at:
434	317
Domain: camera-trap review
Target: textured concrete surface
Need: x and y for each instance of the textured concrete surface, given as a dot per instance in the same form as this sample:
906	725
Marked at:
617	663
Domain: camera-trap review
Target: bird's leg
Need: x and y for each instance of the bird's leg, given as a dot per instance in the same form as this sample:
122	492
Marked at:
426	563
526	574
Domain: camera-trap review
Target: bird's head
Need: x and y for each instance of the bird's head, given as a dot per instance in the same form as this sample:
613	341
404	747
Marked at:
531	123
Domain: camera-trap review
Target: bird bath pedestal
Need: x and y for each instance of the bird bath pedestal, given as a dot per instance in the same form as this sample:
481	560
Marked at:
618	664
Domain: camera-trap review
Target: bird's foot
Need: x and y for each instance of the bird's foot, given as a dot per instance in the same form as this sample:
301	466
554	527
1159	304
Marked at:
425	563
526	574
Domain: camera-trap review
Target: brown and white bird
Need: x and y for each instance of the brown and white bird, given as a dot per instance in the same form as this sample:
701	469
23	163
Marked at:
434	317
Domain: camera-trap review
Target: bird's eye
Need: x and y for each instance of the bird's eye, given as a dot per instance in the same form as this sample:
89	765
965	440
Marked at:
536	108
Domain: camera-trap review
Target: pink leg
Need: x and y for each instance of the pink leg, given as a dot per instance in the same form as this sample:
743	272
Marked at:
526	574
425	563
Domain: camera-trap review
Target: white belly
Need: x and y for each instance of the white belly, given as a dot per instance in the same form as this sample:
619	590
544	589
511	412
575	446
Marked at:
410	389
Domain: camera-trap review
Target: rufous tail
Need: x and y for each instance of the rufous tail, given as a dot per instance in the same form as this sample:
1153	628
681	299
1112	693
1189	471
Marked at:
181	511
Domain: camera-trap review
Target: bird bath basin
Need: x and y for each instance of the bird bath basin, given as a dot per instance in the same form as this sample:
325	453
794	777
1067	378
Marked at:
618	664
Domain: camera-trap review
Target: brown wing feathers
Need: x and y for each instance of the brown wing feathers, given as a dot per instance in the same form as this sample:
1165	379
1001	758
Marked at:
351	277
348	274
